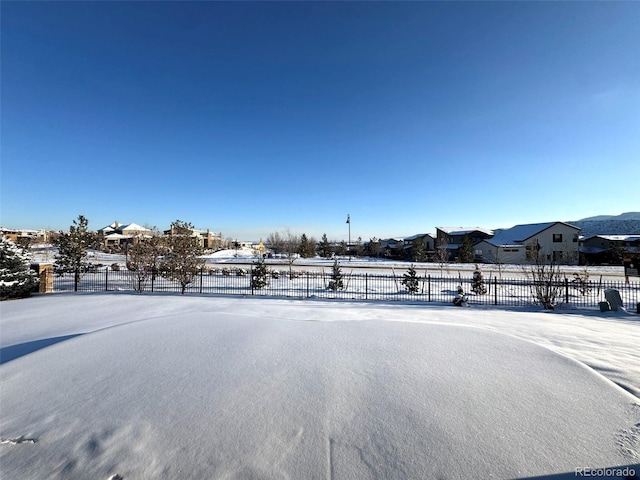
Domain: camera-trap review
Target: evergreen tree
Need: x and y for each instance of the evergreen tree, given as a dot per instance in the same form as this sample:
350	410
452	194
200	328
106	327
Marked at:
411	280
342	248
616	253
259	274
359	248
72	248
398	251
372	248
477	285
307	247
465	254
17	280
182	262
418	252
336	277
324	247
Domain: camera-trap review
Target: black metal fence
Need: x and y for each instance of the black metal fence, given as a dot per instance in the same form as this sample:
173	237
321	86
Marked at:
356	286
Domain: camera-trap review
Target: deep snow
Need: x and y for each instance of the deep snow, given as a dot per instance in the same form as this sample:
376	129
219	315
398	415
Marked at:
163	386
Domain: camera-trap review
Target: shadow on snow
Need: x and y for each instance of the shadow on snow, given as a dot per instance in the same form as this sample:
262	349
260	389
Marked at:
21	349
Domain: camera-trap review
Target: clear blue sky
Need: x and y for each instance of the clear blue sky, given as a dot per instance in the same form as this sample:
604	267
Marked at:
249	118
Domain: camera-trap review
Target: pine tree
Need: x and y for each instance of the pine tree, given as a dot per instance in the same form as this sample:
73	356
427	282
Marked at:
307	247
182	262
17	280
259	274
466	250
477	286
336	277
324	248
72	248
418	252
411	280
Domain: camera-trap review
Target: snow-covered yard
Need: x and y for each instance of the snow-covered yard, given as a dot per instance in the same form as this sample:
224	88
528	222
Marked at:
168	386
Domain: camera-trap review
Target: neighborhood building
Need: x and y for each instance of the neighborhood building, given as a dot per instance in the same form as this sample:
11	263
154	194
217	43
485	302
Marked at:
557	241
599	249
451	238
208	239
117	234
389	246
24	235
428	243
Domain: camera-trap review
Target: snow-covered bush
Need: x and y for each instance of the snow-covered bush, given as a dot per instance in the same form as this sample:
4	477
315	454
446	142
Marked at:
259	274
336	277
477	285
16	278
411	280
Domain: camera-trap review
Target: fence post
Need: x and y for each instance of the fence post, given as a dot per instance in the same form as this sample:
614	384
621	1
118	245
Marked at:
428	288
106	279
153	279
566	290
495	290
251	279
366	286
201	272
308	275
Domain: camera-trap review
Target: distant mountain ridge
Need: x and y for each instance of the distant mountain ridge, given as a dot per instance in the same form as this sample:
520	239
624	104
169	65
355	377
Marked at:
624	224
621	217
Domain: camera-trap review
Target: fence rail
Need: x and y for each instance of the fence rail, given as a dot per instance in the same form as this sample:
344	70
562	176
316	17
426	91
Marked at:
356	286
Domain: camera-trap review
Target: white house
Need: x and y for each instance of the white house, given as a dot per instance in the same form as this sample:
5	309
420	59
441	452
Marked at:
116	233
556	241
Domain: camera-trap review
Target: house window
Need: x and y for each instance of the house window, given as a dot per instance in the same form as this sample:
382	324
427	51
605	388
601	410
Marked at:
557	238
575	238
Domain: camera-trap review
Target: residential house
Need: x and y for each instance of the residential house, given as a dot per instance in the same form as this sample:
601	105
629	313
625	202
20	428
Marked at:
24	235
599	249
389	247
556	241
451	238
117	234
208	239
428	243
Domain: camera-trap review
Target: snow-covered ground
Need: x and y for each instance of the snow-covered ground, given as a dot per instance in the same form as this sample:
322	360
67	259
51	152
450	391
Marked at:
244	256
166	386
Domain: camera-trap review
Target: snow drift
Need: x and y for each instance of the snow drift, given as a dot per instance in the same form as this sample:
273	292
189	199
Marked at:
166	387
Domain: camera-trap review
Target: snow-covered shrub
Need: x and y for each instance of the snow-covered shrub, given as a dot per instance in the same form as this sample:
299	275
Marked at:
477	285
259	274
411	281
17	280
336	277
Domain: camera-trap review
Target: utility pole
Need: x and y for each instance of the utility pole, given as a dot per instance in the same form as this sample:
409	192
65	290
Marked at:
349	243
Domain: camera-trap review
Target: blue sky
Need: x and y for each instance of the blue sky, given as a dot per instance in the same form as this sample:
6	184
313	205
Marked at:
249	118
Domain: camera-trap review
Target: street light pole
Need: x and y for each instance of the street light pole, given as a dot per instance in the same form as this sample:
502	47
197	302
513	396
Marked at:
349	244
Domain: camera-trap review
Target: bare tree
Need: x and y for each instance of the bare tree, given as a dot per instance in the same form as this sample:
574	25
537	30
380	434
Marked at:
286	243
442	254
276	242
544	273
144	259
291	247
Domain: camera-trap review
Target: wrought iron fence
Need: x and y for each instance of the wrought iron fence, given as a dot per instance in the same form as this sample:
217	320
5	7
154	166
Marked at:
355	286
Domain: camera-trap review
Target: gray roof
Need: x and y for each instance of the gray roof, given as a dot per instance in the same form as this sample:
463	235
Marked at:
464	230
418	235
518	235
